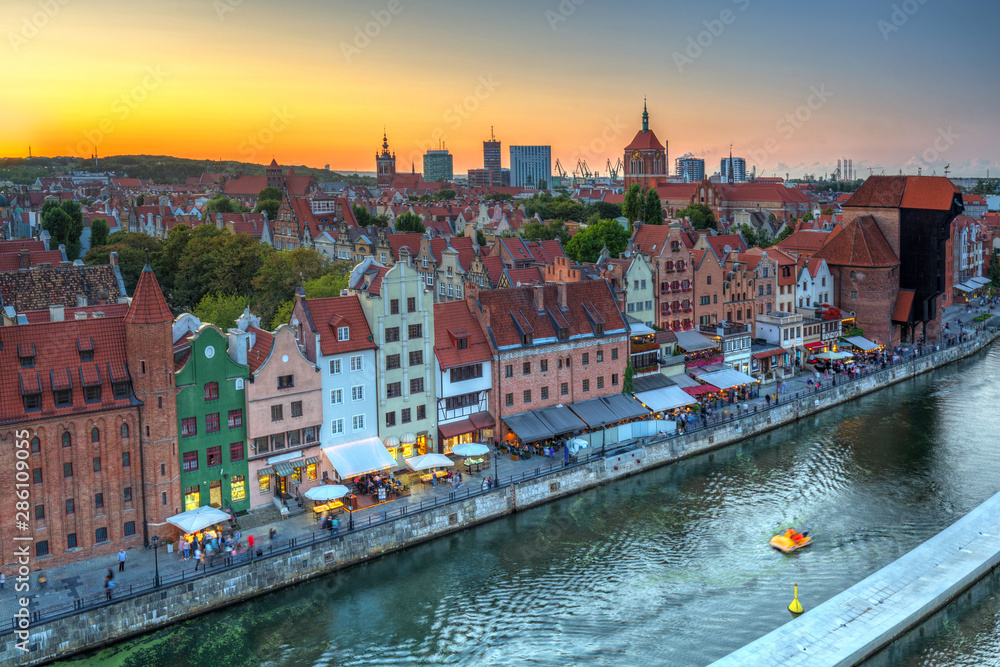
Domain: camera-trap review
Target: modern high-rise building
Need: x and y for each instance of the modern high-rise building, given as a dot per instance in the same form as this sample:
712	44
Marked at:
739	169
691	169
438	166
531	166
491	157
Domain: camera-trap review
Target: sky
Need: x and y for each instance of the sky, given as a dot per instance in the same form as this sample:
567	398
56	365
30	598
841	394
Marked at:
792	87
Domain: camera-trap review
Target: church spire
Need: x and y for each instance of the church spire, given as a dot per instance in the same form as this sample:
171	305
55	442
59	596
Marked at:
645	117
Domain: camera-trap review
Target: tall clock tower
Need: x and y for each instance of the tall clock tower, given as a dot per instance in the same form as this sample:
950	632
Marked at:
645	158
386	164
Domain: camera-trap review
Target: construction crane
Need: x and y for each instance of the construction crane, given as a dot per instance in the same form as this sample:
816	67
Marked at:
614	170
559	169
581	167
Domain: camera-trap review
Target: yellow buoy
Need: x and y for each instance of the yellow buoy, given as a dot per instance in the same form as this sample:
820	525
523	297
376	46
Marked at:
796	606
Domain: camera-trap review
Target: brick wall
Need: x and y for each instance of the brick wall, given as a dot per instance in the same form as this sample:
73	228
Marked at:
871	294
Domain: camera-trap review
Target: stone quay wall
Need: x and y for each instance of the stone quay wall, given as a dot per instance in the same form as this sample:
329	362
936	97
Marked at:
131	615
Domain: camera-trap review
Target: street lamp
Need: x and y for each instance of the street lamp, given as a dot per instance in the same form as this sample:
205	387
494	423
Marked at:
496	465
156	561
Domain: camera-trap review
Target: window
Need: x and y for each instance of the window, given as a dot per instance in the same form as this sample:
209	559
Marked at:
211	391
101	535
586	358
309	434
440	286
337	426
358	393
705	300
335	367
67	439
63	397
236	451
296	408
213	456
212	422
39	512
564	389
405	415
99	501
390	419
36	476
359	422
124	431
28	361
394	307
586	385
415	331
509	400
70	506
526	368
343	333
276	413
277	441
411	304
416	385
393	390
190	461
527	396
854	294
543	365
614	379
508	371
127	494
600	356
71	541
391	362
416	358
286	381
294	438
614	353
42	548
463	373
68	469
36	445
708	280
545	393
97	464
189	426
421	412
392	334
600	382
236	418
462	401
129	528
238	487
357	364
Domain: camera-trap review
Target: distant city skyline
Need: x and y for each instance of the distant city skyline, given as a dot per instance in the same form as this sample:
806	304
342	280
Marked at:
793	88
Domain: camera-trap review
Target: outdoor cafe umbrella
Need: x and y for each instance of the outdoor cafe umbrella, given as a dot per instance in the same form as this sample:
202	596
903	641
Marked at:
425	461
197	519
327	492
833	356
467	449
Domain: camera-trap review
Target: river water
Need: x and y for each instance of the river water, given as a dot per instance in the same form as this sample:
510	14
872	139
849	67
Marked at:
668	567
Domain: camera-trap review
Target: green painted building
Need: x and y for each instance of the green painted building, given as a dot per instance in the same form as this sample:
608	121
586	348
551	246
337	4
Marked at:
211	424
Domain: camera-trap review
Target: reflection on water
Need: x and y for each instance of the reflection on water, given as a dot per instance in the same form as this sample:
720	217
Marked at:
669	567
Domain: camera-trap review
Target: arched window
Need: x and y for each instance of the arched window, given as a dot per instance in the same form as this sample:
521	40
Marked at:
95	435
36	445
124	430
67	440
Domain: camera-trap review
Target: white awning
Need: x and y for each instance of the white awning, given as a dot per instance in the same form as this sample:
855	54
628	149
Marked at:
682	381
692	341
726	379
639	329
862	343
966	287
359	457
425	461
665	398
979	280
201	517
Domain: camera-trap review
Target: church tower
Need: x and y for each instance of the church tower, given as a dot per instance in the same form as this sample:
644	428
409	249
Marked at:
645	158
275	179
386	164
150	358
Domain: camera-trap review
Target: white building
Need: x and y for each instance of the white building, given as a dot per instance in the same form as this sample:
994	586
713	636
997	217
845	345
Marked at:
815	283
530	165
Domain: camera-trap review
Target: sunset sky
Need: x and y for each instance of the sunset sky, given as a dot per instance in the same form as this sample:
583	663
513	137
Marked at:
892	85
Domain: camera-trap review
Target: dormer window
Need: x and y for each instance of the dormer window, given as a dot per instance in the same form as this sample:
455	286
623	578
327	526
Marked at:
526	339
86	355
563	333
343	333
598	329
462	344
28	362
27	355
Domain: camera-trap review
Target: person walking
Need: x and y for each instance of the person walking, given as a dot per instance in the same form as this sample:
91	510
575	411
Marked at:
122	556
197	557
109	586
185	550
3	580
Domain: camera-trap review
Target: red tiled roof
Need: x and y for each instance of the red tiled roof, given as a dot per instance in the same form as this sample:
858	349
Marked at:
452	320
325	315
804	241
148	305
526	276
494	268
261	350
861	244
904	306
645	141
915	192
108	309
650	239
410	239
718	243
15	245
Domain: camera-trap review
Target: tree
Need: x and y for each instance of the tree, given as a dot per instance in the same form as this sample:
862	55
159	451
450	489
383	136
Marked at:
701	216
268	206
57	223
631	208
993	271
586	244
140	200
281	273
222	310
536	231
606	210
627	384
99	231
131	248
409	222
284	313
828	210
785	232
542	184
328	285
362	215
445	194
168	262
381	220
756	238
220	203
197	267
653	210
269	194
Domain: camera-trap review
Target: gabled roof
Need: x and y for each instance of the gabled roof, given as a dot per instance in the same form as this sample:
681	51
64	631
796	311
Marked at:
645	141
861	244
261	350
327	315
805	242
914	192
453	320
650	239
410	239
526	276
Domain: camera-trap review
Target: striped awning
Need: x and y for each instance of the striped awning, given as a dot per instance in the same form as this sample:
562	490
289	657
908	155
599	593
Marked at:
311	460
264	472
284	468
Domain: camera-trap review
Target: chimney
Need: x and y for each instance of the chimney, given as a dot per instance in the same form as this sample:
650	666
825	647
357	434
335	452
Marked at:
81	300
25	258
539	291
80	315
57	313
563	303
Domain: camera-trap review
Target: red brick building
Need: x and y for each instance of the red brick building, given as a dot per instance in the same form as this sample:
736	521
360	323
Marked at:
669	252
645	158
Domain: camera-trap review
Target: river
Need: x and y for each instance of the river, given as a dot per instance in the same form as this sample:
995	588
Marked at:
667	567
